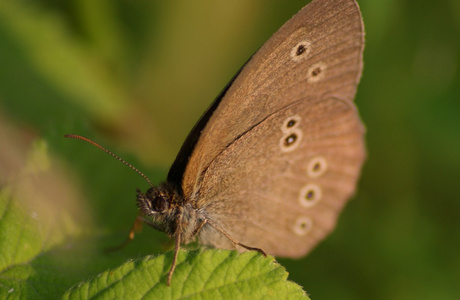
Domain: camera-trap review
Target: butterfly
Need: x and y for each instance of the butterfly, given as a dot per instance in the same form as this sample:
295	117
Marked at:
271	163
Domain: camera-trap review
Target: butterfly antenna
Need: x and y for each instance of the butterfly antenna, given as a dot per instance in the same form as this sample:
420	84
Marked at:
79	137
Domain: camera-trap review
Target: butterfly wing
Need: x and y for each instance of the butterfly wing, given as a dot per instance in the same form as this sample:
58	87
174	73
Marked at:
280	187
330	32
316	56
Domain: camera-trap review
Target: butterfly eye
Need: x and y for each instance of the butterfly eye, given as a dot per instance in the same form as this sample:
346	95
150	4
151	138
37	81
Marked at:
310	195
300	50
153	201
303	225
316	72
316	167
160	204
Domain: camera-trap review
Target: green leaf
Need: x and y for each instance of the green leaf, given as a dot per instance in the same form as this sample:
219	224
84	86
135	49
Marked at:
33	223
200	274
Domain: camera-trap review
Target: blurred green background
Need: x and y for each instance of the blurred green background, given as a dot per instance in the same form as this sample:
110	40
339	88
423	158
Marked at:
136	75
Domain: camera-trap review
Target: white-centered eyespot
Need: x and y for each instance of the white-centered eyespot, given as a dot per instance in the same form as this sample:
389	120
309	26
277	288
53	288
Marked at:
303	225
291	140
310	195
316	72
316	167
290	123
301	50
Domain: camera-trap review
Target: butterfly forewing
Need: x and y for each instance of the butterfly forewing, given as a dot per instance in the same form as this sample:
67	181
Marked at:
317	52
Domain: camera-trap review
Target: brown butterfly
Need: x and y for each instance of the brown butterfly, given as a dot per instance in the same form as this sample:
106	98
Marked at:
271	163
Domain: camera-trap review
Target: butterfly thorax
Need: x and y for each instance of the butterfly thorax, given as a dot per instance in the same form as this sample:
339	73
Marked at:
165	210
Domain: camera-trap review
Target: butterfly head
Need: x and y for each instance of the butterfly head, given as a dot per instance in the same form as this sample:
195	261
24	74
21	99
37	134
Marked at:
163	209
155	201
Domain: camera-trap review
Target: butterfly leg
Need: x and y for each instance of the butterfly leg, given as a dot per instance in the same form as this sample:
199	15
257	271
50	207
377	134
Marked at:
199	227
176	252
136	228
232	240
